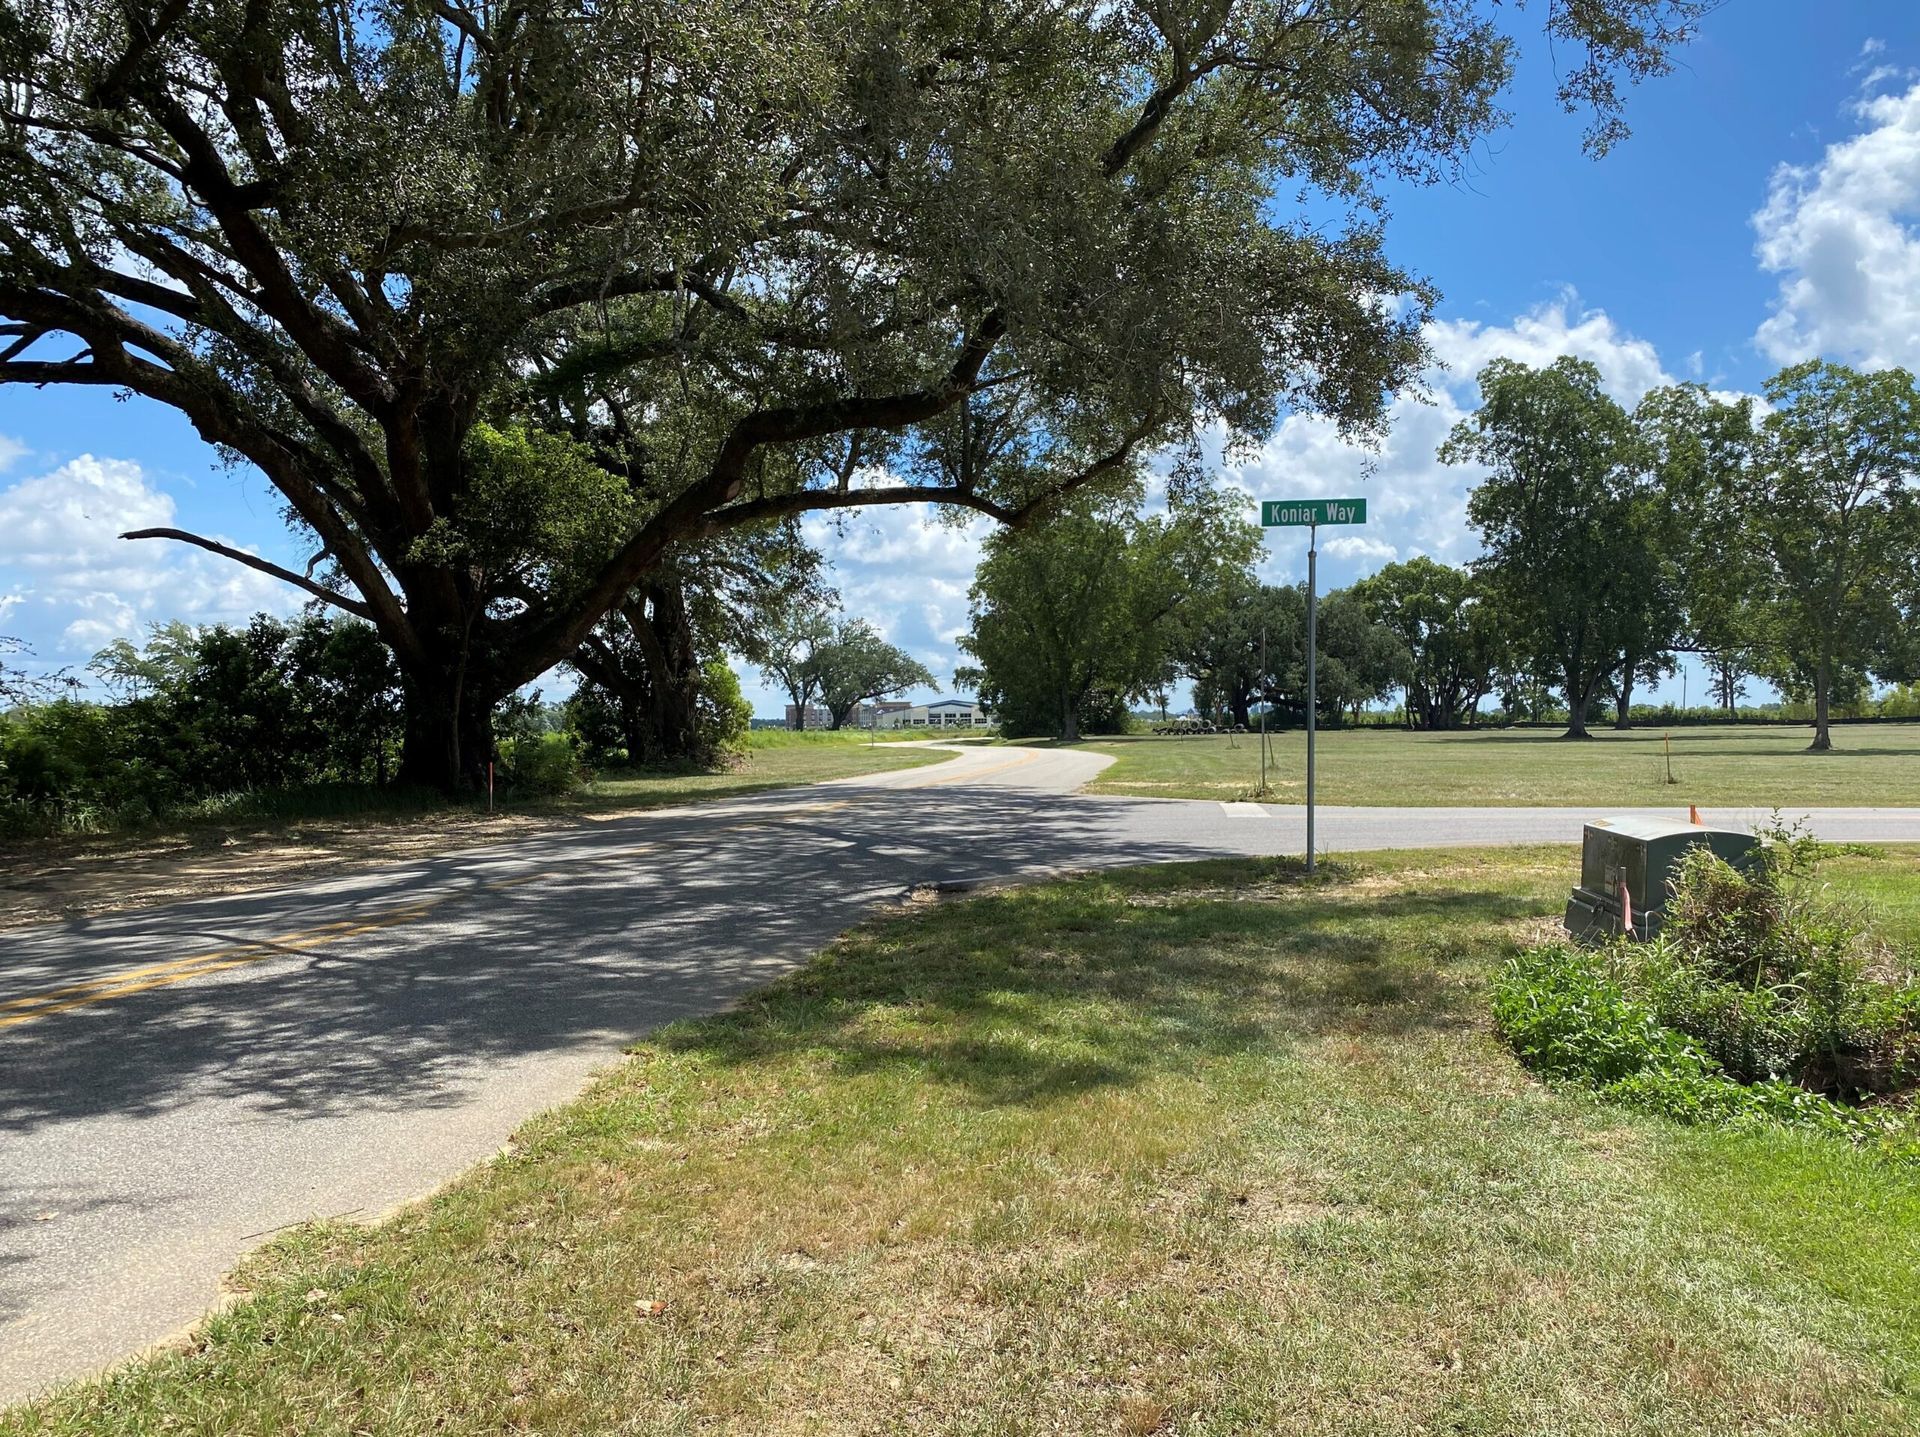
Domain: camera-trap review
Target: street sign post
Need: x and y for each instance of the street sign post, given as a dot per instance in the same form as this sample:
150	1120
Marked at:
1310	513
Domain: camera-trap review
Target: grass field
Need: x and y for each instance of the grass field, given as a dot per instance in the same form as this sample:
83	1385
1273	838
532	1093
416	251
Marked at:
1739	766
269	840
1200	1150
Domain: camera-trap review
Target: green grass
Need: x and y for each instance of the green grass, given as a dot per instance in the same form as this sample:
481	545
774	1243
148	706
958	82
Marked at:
1888	883
1877	765
1203	1149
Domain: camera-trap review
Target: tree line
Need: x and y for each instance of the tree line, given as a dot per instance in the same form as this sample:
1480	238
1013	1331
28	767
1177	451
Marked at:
1777	538
539	318
220	716
1076	618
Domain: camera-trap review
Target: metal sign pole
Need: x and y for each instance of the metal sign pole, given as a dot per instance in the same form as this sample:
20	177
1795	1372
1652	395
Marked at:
1313	690
1263	708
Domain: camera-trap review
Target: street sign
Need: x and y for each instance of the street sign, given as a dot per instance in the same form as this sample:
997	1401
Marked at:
1302	512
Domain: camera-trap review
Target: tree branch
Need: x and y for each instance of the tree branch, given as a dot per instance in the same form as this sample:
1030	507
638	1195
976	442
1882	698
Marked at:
807	501
254	561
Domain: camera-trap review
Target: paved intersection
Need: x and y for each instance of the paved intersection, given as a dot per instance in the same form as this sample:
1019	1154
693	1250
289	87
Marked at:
179	1083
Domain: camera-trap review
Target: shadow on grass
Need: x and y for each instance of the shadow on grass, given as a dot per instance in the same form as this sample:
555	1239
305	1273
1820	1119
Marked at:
1036	995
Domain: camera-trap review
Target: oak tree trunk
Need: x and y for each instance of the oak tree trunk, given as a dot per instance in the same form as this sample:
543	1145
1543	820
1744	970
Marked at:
448	736
1822	691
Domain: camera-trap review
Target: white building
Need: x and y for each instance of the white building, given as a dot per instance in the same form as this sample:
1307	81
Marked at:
946	713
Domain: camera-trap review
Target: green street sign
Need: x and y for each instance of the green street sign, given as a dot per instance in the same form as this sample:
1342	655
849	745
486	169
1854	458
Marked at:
1312	511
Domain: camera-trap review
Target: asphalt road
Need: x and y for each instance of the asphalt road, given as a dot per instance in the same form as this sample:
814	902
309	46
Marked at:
180	1083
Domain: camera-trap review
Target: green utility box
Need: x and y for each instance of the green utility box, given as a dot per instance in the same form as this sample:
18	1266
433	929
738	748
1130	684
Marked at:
1644	855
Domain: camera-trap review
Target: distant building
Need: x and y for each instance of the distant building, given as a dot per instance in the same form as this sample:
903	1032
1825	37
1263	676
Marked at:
946	713
817	716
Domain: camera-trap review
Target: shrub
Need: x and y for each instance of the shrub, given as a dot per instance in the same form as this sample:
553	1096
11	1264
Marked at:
543	763
1566	1017
725	714
1760	1002
1775	981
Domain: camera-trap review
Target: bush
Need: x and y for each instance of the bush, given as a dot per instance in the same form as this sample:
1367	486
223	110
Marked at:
1759	1002
1777	982
1566	1017
724	713
204	715
544	763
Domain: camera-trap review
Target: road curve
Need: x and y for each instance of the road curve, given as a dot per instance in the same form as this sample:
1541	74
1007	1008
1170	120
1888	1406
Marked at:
179	1083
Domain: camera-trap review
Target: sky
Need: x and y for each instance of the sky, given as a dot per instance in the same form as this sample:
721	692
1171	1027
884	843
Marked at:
1765	210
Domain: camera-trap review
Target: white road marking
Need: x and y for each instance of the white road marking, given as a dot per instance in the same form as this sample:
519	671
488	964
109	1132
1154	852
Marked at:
1243	810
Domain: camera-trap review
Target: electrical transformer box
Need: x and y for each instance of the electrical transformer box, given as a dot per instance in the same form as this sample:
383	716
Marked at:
1627	866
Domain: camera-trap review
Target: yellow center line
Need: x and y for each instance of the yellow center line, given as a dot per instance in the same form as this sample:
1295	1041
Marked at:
336	928
122	984
977	773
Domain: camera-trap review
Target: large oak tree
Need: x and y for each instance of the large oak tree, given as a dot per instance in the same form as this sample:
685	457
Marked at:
700	249
1573	561
1834	514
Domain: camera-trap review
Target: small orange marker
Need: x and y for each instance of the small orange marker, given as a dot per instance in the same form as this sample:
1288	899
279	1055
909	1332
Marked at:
1693	815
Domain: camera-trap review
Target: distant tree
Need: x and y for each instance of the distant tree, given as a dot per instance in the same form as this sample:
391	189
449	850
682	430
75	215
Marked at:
1440	616
1079	613
128	671
1361	660
1572	556
650	657
1727	671
855	664
1230	649
788	647
1702	450
1835	513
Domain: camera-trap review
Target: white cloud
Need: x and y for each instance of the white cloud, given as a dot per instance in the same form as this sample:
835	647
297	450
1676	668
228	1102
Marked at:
11	452
1349	546
1416	504
913	537
1629	367
1844	235
72	584
906	570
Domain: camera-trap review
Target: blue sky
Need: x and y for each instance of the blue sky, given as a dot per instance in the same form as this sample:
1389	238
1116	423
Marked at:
1766	208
